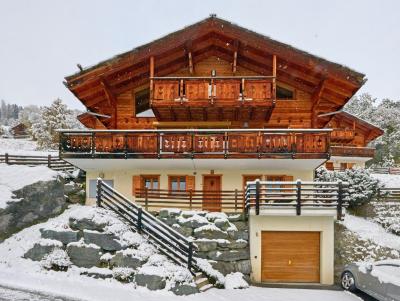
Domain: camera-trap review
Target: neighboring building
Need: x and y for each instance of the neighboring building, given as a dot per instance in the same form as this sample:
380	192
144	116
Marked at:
187	120
19	131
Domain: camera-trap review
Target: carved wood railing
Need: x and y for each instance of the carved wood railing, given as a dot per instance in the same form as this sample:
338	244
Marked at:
218	89
352	151
200	143
342	135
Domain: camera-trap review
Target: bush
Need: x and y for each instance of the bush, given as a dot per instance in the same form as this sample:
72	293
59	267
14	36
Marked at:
362	187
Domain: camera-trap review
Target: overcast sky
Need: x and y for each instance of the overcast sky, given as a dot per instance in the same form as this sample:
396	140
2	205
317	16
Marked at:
41	41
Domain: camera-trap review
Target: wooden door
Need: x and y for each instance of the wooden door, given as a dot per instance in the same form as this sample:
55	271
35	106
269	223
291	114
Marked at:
290	256
212	193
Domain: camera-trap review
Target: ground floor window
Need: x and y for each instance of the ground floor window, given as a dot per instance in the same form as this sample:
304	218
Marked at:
177	183
93	187
344	166
329	166
143	182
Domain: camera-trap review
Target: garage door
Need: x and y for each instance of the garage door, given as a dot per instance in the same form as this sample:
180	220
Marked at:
290	256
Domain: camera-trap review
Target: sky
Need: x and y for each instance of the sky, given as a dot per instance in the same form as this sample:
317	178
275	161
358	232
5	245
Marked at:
42	41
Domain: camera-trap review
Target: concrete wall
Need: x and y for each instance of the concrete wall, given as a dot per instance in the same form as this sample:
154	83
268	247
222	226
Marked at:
231	179
322	224
357	161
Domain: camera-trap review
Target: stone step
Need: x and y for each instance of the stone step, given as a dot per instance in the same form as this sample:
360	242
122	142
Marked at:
198	275
205	288
201	282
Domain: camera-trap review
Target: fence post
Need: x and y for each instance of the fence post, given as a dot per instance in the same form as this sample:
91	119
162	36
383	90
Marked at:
93	145
379	194
49	161
139	221
146	198
340	200
258	197
190	199
6	158
190	255
98	196
236	199
298	197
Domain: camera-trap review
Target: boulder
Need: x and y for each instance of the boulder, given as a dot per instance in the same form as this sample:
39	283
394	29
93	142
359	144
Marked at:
83	255
184	289
152	282
168	220
187	214
234	234
42	248
194	221
98	273
169	212
205	245
238	244
65	236
87	224
106	241
241	226
125	260
124	274
227	267
223	224
235	217
212	216
185	231
243	266
210	232
231	255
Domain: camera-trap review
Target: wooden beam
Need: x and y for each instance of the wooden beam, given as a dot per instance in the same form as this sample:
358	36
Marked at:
235	55
112	101
151	76
274	77
316	99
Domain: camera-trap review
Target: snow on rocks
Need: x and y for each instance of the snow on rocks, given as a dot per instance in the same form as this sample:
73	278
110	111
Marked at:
235	281
41	248
57	260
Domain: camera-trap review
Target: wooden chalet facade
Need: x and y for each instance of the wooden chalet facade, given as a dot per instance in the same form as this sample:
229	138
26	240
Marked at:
189	119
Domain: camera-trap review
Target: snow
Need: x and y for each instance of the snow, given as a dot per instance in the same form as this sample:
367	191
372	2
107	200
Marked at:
387	271
235	281
368	230
26	147
57	257
14	177
390	181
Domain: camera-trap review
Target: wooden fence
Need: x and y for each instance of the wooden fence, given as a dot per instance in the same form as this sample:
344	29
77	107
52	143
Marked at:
386	170
389	194
53	162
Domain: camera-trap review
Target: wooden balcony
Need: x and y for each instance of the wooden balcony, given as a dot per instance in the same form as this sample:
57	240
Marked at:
199	143
352	151
342	135
212	98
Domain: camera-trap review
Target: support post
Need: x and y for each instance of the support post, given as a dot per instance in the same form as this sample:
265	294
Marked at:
49	161
258	197
98	195
298	197
93	145
190	255
6	158
139	220
190	199
151	78
274	77
340	201
236	200
146	198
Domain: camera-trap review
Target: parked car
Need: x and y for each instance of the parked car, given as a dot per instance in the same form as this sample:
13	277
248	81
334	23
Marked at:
380	279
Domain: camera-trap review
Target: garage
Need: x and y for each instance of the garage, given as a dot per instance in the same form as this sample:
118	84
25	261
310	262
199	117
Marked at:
290	256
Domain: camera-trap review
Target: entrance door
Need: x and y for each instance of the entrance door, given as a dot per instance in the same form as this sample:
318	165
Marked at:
212	193
290	256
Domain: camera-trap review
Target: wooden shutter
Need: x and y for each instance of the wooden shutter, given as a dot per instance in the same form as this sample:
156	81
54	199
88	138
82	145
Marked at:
190	183
136	184
289	179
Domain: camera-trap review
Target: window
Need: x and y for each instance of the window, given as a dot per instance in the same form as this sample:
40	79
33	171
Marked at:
150	182
329	166
177	183
140	182
93	187
284	93
142	101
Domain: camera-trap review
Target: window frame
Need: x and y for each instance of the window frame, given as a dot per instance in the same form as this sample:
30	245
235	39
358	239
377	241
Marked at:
179	177
109	182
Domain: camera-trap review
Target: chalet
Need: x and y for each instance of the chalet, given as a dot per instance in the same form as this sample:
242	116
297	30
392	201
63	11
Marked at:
220	118
19	131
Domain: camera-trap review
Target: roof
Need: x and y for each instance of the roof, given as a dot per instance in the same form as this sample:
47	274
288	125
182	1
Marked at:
215	35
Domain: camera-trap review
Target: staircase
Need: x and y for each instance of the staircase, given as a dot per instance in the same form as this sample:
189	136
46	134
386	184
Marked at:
167	240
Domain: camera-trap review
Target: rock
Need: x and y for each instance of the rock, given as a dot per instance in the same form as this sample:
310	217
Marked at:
231	255
57	260
223	244
98	273
194	221
184	289
168	220
83	255
65	236
202	255
187	214
87	224
235	217
106	241
238	244
185	231
152	282
71	187
205	245
226	267
124	260
243	266
223	224
211	232
42	248
172	212
124	274
233	234
241	226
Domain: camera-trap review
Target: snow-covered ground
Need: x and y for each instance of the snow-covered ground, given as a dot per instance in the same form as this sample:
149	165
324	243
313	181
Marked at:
22	147
14	177
368	230
390	181
18	272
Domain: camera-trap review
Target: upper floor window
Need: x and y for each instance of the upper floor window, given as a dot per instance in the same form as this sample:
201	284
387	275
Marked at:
284	93
142	101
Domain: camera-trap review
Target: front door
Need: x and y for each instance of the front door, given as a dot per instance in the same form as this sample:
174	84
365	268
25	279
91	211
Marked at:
212	193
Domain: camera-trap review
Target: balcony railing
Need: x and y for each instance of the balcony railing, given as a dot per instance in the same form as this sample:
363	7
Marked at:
212	90
342	135
352	151
197	143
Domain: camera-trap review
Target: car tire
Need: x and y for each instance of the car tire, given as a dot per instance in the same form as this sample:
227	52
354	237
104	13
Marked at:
348	282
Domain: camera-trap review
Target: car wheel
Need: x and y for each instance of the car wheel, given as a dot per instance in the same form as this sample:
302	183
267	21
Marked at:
348	282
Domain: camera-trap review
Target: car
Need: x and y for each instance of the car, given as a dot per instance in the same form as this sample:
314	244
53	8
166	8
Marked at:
380	279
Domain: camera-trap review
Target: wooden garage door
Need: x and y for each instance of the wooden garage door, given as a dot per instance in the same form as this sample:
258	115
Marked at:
290	256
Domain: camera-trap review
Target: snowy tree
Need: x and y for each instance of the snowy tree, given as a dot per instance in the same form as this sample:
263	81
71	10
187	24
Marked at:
29	115
56	116
362	187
